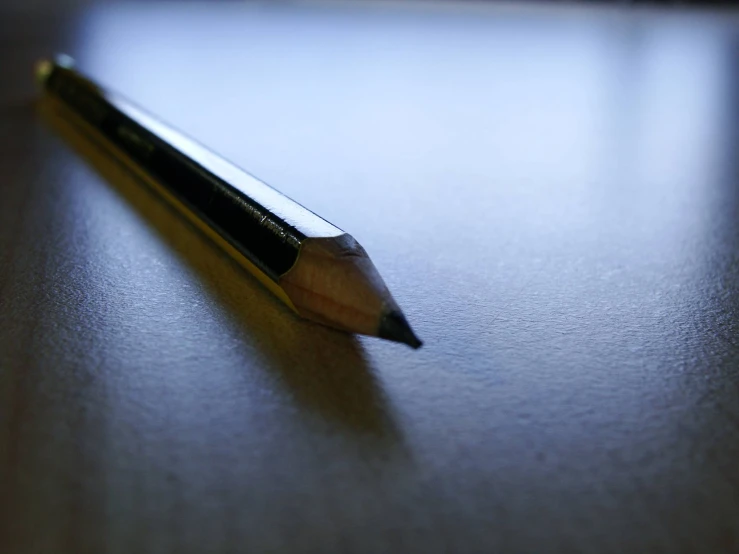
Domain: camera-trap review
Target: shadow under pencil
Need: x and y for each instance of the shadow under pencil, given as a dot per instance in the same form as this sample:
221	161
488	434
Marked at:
327	371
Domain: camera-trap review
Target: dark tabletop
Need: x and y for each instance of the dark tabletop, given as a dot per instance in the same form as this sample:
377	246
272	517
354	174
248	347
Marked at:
552	194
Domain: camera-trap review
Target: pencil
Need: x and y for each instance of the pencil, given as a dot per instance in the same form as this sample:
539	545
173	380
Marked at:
319	271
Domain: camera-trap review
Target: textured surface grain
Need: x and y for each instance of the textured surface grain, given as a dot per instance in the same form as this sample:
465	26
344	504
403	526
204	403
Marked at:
551	196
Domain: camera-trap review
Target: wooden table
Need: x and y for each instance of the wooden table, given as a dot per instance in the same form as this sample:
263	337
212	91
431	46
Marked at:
551	194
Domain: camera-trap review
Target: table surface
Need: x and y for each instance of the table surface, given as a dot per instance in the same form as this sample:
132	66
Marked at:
551	194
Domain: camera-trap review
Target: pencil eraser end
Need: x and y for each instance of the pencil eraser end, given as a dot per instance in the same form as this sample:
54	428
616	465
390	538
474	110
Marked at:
42	70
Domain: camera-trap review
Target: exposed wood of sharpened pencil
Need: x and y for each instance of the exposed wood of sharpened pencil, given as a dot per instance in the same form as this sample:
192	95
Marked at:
318	270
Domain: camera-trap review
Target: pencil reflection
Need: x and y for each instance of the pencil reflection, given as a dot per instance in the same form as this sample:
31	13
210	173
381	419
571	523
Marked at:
325	371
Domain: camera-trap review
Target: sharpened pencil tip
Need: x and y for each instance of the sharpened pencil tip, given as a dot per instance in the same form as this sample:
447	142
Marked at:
395	327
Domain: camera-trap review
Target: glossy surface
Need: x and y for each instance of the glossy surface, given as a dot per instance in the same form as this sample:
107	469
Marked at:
550	195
